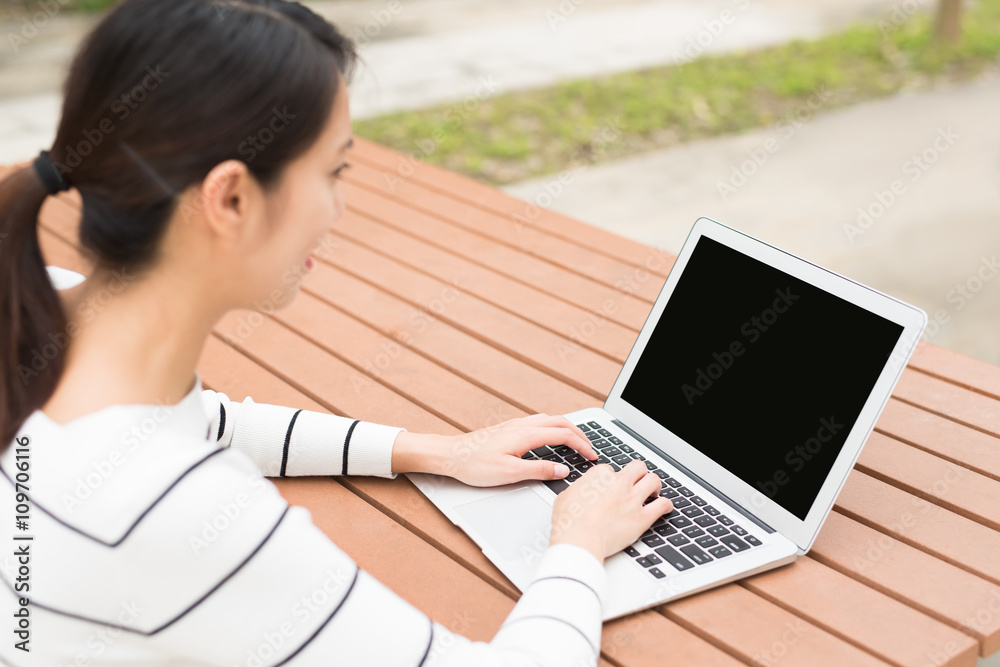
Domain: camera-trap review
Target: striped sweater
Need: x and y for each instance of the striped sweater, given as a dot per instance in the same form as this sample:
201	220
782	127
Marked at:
152	536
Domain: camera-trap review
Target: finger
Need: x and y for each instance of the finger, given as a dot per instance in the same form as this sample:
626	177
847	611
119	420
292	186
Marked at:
555	436
557	421
561	421
654	510
541	470
648	485
634	471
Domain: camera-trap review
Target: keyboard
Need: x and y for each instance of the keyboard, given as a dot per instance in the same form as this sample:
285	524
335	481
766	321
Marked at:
694	533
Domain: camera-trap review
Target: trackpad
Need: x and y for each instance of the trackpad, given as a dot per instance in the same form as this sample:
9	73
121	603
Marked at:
515	524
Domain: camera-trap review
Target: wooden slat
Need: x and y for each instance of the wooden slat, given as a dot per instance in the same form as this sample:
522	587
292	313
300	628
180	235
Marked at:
947	535
518	337
942	437
916	578
957	368
760	632
949	485
861	615
944	398
423	330
516	265
398	165
585	262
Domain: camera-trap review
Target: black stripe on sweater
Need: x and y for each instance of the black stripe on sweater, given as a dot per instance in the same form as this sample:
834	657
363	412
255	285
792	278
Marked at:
137	521
150	633
222	422
347	443
553	618
427	651
288	440
357	573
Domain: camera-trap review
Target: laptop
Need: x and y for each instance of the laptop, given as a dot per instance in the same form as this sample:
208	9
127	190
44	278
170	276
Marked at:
750	390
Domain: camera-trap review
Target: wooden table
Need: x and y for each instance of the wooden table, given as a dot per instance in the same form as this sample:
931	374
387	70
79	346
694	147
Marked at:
443	305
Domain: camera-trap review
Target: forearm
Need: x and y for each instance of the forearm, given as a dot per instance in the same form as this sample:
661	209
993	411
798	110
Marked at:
420	452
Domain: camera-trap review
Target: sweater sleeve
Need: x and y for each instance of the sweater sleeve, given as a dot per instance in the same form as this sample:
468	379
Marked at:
297	599
285	442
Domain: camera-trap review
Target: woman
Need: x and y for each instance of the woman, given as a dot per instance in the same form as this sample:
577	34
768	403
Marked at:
206	140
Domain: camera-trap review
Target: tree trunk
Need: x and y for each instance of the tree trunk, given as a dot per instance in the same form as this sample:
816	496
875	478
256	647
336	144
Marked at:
949	21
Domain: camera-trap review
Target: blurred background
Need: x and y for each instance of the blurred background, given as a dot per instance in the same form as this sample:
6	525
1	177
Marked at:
863	135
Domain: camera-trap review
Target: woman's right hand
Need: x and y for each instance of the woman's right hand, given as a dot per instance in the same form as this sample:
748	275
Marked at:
603	510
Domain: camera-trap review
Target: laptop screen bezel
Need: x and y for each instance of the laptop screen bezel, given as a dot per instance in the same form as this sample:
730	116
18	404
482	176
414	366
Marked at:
912	319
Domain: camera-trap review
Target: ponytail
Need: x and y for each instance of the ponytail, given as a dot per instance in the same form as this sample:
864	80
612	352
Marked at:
31	314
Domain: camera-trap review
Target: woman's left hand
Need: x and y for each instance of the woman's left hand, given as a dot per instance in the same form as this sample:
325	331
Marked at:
492	456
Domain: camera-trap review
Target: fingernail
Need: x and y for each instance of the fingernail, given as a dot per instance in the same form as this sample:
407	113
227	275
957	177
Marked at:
561	470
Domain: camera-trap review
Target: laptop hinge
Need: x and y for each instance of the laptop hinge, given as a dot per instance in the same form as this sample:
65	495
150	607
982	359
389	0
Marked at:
693	476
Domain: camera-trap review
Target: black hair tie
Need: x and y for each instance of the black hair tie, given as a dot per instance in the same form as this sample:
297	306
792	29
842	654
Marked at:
52	178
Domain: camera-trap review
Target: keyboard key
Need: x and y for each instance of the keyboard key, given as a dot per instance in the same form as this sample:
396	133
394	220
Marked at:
602	459
615	441
680	521
674	557
541	452
563	450
614	467
632	551
625	448
717	530
753	540
724	520
674	482
692	511
734	543
681	503
600	444
711	510
739	530
572	476
693	531
592	436
557	485
605	432
706	541
622	459
696	554
720	551
656	572
665	531
686	492
644	562
574	458
527	456
552	457
654	559
699	501
583	427
650	466
705	521
593	425
637	456
678	539
611	451
669	493
584	466
662	474
652	541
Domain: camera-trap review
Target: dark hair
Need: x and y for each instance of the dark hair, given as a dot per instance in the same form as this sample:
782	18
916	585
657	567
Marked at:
158	95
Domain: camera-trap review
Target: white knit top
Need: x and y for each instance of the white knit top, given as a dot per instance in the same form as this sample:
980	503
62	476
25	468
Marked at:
150	537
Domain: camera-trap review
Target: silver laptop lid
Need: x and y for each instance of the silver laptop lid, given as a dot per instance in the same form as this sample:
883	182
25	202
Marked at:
764	374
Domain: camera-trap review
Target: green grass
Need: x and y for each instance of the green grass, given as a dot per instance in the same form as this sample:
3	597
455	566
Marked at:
519	135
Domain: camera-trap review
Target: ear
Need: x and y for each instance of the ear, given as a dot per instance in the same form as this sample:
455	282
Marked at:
225	196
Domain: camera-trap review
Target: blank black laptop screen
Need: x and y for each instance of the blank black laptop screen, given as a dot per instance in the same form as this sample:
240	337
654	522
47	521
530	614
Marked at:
760	371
